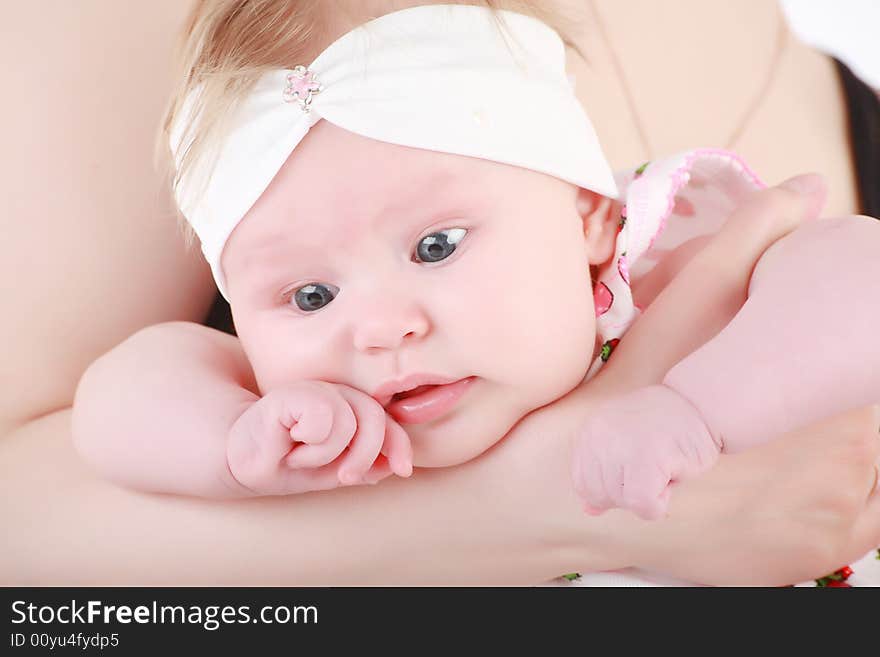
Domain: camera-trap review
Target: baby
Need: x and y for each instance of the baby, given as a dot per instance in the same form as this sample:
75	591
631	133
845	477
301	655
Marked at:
421	258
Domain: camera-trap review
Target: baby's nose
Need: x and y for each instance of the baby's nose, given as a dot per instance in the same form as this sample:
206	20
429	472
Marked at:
389	326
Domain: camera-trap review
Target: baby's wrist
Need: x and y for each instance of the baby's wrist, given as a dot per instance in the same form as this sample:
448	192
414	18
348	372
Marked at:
242	431
693	423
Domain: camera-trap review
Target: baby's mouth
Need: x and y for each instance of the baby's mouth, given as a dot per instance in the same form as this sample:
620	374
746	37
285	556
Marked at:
426	403
411	393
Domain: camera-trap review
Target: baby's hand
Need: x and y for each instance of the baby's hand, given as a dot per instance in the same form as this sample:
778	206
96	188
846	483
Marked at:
294	440
634	446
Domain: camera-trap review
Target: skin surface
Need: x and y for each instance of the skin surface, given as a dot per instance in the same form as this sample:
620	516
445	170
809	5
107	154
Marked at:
799	125
512	305
99	258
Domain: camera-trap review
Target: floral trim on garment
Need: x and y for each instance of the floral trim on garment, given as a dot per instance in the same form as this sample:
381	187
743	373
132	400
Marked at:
664	204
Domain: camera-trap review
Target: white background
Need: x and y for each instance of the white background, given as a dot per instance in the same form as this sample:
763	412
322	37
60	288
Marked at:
849	29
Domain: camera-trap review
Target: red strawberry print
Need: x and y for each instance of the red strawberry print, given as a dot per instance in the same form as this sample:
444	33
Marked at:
837	579
607	348
603	298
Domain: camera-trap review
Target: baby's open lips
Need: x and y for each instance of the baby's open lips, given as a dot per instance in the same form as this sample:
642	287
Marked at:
411	393
427	402
409	386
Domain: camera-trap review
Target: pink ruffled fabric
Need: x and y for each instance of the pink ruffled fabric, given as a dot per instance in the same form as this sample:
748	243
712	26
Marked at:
666	203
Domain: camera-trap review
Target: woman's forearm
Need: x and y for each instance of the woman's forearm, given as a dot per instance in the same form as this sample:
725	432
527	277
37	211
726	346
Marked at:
463	525
780	513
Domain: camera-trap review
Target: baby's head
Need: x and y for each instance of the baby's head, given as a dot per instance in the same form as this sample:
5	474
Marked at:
366	263
385	266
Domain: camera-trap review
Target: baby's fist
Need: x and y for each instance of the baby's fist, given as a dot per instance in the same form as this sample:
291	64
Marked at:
635	446
312	435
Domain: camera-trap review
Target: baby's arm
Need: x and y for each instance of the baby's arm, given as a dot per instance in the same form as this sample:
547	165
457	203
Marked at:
803	347
175	409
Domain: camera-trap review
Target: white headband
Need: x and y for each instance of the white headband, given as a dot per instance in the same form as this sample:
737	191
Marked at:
438	77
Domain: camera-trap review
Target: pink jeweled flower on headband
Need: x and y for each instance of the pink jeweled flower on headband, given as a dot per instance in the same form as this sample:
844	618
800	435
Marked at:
301	86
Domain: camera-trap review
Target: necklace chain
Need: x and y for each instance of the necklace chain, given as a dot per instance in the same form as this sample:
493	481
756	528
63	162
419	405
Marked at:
748	114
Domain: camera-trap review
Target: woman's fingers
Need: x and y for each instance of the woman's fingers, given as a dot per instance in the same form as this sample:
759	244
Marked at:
787	511
859	446
712	286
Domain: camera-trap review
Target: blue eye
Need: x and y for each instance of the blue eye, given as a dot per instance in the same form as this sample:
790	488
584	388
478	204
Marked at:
314	296
440	245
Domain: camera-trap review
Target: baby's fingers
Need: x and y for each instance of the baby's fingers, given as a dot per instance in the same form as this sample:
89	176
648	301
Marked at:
396	456
368	438
589	481
380	470
342	428
314	425
646	489
397	448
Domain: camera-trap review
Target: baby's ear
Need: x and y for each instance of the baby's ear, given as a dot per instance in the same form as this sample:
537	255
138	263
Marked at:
600	226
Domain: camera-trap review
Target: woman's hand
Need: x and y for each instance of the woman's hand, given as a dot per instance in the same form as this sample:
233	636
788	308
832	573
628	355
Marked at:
787	511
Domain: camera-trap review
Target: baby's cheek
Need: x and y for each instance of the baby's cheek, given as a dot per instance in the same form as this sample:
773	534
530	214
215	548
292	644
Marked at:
259	360
563	358
277	359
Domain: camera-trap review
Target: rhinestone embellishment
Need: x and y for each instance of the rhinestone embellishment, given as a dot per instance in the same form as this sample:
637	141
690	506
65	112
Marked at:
302	85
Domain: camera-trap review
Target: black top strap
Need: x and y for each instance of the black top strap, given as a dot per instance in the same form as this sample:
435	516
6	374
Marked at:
863	112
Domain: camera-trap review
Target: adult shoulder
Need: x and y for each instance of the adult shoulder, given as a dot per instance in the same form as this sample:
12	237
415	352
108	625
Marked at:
91	250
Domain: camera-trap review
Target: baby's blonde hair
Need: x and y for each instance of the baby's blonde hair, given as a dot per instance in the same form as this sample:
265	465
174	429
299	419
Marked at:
226	46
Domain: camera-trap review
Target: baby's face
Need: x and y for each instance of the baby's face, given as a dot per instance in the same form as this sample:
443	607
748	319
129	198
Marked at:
365	263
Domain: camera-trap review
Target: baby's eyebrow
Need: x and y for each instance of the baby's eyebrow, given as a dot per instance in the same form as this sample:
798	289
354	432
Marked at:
434	186
265	252
266	255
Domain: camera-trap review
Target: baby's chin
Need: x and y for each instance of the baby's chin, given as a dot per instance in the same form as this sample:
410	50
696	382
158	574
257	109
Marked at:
443	459
483	420
459	438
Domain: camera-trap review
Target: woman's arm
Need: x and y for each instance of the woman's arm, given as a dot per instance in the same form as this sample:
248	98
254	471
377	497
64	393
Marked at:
90	250
90	255
774	515
83	198
63	526
507	517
